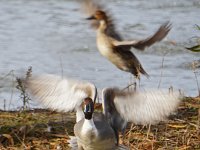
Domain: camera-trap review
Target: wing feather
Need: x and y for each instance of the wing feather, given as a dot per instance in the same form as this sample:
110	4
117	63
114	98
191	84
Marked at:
90	7
59	93
158	36
145	107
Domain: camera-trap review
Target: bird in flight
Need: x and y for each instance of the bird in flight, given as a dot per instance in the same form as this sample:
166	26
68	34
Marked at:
111	44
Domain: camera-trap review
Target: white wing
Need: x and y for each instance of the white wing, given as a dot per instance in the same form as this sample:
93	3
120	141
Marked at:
144	107
57	93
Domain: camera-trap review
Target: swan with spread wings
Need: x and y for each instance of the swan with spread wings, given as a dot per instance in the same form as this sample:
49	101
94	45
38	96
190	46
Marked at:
100	130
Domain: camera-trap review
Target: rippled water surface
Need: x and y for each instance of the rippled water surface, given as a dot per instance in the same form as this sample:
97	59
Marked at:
52	36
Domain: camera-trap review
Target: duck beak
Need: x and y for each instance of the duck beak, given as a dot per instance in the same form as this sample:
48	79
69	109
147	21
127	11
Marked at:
88	108
91	18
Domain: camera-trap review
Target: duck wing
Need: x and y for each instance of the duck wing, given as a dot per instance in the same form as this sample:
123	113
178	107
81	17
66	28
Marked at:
90	7
160	34
57	93
131	61
146	107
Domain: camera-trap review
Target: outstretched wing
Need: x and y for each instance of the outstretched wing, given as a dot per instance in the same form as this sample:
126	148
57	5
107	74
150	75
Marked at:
142	107
158	36
90	7
59	93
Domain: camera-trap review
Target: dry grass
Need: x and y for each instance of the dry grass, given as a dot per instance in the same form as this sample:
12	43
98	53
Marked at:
44	130
181	131
37	129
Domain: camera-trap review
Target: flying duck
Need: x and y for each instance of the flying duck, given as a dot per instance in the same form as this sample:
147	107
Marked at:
100	131
111	44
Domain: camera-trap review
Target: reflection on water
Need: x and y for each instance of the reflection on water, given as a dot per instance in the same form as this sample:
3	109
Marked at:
53	37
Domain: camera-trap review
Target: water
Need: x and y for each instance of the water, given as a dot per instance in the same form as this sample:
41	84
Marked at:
53	37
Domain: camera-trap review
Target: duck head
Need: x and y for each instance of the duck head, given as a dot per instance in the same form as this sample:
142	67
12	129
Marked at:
88	108
98	15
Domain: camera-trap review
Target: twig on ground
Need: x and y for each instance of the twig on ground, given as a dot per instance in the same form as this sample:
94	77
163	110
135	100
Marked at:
195	74
25	147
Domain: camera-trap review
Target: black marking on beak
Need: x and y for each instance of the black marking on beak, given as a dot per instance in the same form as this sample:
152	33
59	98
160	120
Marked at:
88	110
91	18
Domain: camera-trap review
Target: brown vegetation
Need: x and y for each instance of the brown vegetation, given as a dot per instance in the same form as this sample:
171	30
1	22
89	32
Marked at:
42	129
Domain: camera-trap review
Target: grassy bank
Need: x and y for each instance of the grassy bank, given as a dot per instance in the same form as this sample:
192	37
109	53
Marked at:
44	129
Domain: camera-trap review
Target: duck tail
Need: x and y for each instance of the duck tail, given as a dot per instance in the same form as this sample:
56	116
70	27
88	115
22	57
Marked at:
142	71
137	71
